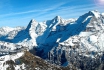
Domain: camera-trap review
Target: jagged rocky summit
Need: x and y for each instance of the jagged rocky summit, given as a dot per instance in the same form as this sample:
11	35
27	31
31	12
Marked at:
59	41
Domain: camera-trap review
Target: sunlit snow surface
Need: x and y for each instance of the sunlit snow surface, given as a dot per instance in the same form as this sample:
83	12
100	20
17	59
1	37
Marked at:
56	35
103	14
9	57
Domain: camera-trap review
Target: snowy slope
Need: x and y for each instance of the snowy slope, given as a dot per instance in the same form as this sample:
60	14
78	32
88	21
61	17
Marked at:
61	30
83	35
3	59
103	14
58	39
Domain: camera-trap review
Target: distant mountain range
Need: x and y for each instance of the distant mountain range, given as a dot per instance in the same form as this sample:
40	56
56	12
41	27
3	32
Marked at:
63	42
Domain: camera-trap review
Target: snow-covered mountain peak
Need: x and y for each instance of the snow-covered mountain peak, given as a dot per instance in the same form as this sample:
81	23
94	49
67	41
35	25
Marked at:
33	20
32	24
7	28
96	13
103	14
58	39
57	19
91	15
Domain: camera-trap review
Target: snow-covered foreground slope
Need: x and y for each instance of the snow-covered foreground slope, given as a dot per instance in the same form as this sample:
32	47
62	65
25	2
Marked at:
3	59
27	61
60	41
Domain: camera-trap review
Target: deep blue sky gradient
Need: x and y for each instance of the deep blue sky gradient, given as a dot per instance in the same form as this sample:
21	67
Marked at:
19	12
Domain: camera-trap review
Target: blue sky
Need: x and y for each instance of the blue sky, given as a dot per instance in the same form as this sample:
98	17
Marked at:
19	12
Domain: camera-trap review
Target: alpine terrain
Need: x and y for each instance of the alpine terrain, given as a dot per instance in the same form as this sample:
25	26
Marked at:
57	44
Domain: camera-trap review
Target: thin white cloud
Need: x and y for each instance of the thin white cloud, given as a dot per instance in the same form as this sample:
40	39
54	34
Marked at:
41	11
19	13
65	12
70	11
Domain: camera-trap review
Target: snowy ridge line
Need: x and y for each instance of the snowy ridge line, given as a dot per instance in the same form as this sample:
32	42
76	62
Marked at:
58	39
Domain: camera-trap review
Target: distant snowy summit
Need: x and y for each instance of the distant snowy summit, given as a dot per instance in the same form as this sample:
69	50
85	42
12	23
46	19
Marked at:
37	33
58	37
